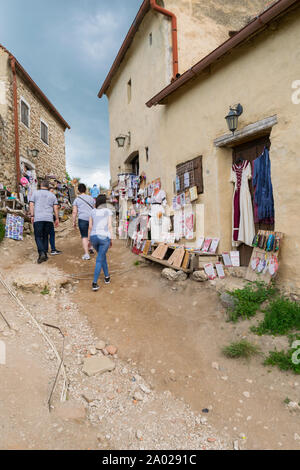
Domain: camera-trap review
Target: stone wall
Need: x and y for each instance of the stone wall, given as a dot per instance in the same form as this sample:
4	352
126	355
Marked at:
52	158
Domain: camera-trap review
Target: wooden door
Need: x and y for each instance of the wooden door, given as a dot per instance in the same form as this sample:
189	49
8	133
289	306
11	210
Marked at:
250	151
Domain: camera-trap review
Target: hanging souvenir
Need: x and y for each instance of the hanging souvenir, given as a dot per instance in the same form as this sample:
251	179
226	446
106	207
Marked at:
186	180
214	245
189	222
210	271
193	193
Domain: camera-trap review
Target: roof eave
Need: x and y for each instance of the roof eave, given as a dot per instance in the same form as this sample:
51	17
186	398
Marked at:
145	7
254	27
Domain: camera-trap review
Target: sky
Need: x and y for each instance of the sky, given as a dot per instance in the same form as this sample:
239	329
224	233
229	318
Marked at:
68	47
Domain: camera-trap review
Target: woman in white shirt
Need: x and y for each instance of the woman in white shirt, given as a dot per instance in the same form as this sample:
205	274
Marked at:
100	235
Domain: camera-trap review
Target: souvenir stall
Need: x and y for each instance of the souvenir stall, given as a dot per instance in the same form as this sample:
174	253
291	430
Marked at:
63	192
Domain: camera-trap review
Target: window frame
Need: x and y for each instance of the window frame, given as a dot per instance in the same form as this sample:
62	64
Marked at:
42	121
22	100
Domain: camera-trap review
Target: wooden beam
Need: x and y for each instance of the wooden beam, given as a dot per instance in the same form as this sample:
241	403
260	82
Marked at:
247	133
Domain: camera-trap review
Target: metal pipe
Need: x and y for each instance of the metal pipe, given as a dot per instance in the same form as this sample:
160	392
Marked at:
171	15
16	119
252	28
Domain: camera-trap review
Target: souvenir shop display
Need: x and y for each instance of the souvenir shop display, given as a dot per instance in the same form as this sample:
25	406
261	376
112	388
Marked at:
243	230
227	259
220	270
264	211
214	245
188	222
264	263
193	194
210	271
14	227
206	245
235	259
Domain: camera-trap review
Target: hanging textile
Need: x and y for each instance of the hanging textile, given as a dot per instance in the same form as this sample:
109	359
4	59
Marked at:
262	182
243	219
14	227
188	222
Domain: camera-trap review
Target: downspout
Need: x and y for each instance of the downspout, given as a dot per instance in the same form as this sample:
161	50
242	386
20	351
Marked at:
16	119
171	15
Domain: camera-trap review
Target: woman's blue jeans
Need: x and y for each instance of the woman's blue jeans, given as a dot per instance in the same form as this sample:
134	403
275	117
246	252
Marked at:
101	245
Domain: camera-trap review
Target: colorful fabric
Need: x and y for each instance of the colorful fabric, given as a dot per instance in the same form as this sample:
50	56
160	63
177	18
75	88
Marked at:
14	227
264	199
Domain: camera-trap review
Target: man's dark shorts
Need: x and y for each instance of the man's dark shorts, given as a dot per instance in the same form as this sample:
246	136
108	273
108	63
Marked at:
84	228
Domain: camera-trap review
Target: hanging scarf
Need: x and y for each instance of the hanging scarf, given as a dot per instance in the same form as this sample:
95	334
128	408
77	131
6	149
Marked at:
263	186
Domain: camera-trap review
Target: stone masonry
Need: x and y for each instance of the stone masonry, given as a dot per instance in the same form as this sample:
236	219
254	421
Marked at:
52	158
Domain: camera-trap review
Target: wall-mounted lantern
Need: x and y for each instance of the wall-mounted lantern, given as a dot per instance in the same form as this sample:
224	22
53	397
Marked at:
34	153
122	139
233	117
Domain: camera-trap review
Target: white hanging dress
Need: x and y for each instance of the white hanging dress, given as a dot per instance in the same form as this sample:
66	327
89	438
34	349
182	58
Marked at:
240	176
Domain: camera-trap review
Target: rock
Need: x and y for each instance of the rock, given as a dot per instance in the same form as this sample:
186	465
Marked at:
293	406
211	439
228	301
172	275
215	365
139	435
138	396
203	421
70	411
296	437
145	389
199	276
100	345
112	350
246	394
237	272
97	365
93	351
236	445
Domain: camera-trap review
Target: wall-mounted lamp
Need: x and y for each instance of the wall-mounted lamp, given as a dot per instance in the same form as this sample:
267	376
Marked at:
233	117
34	153
122	139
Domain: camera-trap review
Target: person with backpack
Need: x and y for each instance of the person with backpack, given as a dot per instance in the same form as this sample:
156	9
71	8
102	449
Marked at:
82	209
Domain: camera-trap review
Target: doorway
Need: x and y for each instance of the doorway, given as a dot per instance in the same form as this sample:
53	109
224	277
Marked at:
251	151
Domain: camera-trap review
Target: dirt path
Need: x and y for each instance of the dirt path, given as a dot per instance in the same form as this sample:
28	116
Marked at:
173	333
168	336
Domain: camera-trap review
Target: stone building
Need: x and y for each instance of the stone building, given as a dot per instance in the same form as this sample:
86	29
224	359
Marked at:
32	132
183	119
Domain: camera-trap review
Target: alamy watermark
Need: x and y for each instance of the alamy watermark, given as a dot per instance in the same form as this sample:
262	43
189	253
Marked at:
296	354
296	93
2	353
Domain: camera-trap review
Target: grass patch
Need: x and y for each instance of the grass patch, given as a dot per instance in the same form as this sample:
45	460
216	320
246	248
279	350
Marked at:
136	263
2	228
45	291
249	299
281	317
241	349
283	360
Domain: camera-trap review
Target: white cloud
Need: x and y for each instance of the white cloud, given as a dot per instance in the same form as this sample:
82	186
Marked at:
97	34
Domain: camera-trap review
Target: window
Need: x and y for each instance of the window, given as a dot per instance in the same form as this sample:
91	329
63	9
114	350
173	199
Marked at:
150	39
190	174
25	113
44	132
129	90
147	154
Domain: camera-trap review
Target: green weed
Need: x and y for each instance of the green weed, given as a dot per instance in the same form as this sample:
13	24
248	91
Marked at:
281	317
249	299
45	291
241	349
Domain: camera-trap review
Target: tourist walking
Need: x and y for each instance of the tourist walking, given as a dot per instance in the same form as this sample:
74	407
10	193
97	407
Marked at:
53	249
82	208
95	192
100	235
42	205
